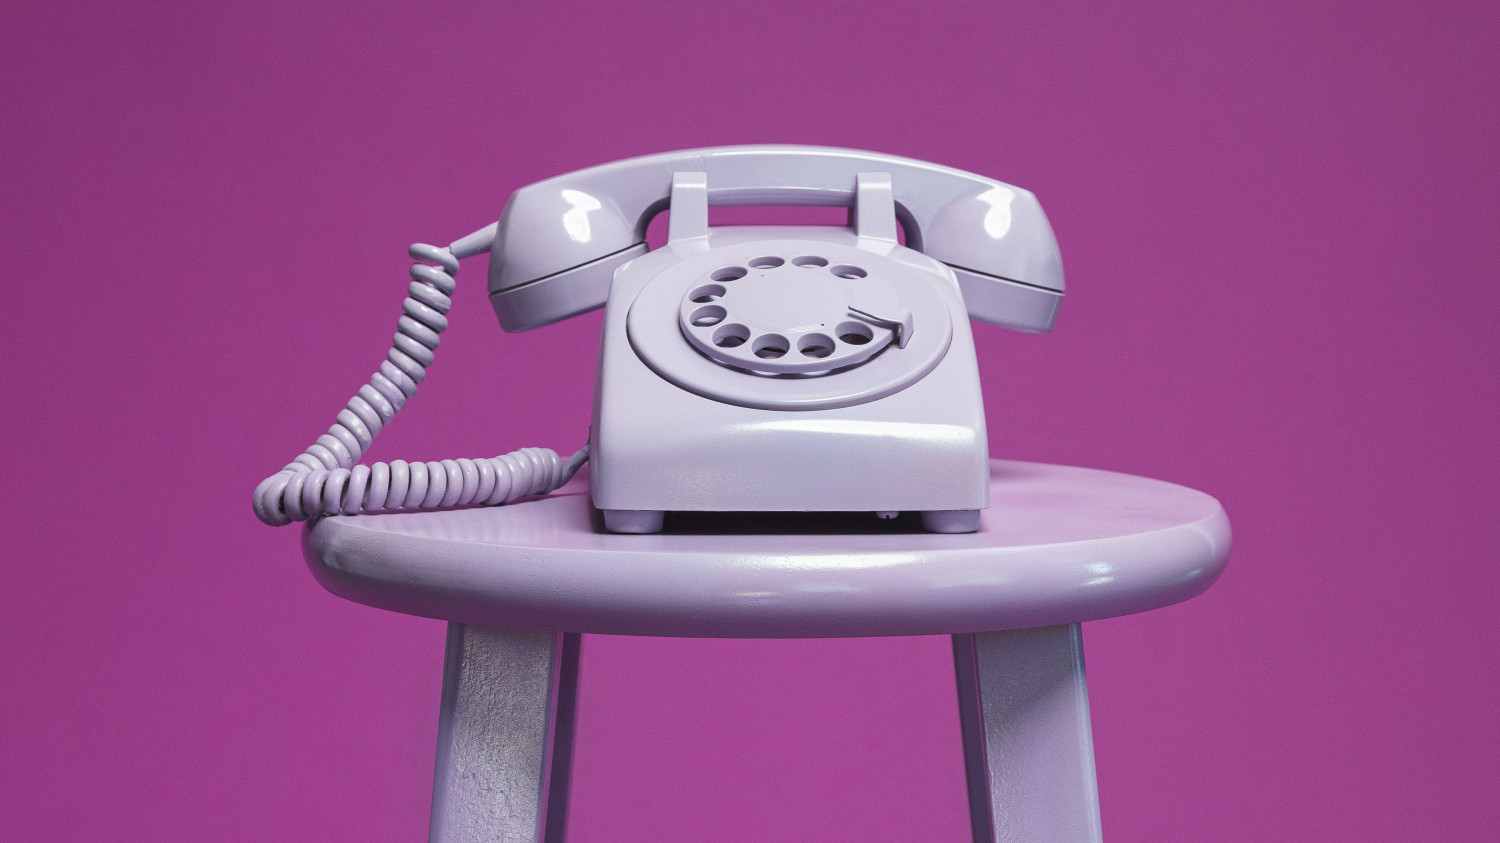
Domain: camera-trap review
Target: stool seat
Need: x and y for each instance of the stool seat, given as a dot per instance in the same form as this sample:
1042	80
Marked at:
1057	545
520	583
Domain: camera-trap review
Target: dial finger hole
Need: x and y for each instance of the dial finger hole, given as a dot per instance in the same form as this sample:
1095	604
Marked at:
729	273
855	333
766	262
846	271
731	336
770	346
810	260
815	345
704	317
706	293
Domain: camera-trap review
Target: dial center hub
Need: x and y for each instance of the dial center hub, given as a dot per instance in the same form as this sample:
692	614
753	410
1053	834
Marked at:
789	299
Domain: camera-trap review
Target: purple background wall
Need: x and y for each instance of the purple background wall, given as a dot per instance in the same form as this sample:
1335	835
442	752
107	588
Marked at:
1278	222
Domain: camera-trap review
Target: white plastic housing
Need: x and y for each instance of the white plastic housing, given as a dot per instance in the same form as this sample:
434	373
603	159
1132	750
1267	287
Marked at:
659	446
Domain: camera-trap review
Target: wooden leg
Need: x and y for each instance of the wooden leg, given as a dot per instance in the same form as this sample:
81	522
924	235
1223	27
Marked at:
1028	749
505	736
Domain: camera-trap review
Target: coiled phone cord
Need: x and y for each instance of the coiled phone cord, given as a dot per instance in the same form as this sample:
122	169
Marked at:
326	479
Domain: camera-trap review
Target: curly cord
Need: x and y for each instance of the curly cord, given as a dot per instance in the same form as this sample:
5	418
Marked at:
326	479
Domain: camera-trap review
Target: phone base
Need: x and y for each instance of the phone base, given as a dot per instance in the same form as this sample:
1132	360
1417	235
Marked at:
637	521
679	432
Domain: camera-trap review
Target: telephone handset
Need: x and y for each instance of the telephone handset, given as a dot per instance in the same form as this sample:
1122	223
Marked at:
560	240
742	368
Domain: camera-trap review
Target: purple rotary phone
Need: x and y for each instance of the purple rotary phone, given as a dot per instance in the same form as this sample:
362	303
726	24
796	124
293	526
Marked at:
743	368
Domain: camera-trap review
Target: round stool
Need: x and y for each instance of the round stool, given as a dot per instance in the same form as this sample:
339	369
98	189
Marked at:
520	583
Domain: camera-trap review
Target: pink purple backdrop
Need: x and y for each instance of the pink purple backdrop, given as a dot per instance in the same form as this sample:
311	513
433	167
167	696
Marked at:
1278	222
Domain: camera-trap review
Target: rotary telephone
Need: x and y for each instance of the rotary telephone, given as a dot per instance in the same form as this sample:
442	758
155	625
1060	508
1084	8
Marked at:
742	368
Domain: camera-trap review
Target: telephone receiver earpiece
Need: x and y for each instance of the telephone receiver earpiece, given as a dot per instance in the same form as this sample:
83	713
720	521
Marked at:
558	242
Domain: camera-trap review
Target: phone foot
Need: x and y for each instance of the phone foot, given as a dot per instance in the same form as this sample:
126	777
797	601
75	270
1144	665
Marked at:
633	520
951	521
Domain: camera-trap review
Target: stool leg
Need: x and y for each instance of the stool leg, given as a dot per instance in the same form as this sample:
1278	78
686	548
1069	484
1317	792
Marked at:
505	735
1028	749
